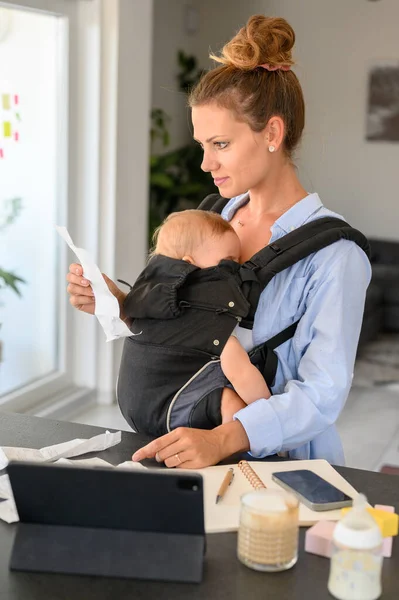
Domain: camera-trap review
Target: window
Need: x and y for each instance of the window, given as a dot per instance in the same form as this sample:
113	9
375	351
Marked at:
39	112
31	169
65	68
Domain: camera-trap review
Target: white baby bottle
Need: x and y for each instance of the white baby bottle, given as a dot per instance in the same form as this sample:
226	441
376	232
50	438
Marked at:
356	559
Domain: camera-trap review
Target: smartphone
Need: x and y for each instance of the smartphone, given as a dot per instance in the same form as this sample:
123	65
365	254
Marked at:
311	489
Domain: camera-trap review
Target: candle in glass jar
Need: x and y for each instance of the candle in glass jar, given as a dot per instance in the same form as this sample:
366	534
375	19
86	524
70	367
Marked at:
268	530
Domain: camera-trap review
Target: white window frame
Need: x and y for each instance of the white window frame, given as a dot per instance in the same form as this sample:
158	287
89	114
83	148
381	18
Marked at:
99	169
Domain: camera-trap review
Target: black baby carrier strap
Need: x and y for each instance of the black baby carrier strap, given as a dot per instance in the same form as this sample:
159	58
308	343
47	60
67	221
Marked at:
214	203
300	243
311	237
257	272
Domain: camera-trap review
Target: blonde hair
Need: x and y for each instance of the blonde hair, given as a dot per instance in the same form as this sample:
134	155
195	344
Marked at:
252	93
181	233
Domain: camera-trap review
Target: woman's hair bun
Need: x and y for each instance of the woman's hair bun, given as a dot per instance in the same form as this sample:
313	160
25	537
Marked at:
262	40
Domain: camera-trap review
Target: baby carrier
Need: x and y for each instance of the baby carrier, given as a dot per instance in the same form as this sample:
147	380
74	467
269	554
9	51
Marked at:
170	373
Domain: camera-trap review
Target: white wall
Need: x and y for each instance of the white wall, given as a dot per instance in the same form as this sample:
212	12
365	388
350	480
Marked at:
336	44
132	145
170	35
134	100
121	100
218	23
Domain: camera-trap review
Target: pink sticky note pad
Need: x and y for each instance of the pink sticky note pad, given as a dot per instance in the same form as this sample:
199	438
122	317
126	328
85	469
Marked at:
386	542
318	539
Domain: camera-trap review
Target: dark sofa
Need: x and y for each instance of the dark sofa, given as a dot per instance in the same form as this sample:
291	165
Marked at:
381	311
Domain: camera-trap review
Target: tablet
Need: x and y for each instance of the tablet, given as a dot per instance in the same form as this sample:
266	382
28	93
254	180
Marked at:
146	524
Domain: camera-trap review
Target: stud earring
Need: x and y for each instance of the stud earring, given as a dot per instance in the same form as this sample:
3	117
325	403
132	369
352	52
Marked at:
272	148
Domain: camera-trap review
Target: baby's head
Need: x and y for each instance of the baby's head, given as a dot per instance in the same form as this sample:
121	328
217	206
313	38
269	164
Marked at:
199	237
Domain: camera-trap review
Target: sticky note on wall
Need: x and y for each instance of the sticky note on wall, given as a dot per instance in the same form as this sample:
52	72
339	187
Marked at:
6	101
7	129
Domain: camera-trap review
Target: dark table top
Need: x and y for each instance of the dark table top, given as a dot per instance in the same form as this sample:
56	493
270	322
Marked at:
224	576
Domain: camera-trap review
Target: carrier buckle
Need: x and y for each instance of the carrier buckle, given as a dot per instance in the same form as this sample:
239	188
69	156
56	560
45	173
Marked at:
252	266
249	274
276	249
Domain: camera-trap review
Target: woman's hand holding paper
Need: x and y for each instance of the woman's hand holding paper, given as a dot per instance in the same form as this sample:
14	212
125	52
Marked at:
81	293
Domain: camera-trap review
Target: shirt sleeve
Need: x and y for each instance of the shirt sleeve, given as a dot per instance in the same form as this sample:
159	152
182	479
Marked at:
325	344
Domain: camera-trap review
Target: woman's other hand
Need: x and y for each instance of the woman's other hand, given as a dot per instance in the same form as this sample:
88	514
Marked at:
196	448
81	293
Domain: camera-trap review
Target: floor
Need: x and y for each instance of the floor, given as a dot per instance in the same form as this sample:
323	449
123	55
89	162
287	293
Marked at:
369	428
369	425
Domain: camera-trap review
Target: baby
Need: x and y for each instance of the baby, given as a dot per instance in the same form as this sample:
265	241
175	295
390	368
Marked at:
203	239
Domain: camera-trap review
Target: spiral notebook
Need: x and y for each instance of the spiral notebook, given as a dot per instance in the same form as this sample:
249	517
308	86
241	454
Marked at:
250	475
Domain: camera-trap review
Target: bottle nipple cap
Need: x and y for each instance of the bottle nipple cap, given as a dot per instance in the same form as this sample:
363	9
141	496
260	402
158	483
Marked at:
357	529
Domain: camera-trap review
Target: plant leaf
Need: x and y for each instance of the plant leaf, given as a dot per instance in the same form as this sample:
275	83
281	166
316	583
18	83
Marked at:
161	180
11	280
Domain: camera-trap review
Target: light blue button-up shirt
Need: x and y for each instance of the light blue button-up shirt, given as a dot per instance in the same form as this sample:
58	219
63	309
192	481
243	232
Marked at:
326	291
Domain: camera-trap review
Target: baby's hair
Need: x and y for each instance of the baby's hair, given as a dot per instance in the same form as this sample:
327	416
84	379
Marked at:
182	232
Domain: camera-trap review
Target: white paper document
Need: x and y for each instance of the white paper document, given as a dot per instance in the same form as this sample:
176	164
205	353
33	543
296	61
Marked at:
9	453
130	465
107	306
84	462
77	447
3	459
5	488
63	450
8	510
99	462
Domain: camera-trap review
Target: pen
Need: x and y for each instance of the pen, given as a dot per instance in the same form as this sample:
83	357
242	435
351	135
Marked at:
228	478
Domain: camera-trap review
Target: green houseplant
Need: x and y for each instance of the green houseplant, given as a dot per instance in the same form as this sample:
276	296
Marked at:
8	279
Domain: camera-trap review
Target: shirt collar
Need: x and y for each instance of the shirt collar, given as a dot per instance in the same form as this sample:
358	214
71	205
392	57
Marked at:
296	216
233	205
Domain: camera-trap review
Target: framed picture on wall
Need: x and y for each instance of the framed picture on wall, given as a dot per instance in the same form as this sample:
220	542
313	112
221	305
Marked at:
383	103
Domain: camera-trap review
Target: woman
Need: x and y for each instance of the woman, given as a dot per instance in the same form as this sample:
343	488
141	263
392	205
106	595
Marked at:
248	116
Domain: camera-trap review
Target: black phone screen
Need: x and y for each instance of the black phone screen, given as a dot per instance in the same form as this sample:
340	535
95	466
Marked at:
312	487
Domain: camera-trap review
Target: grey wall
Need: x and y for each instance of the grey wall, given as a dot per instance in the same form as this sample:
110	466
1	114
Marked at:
170	34
337	42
